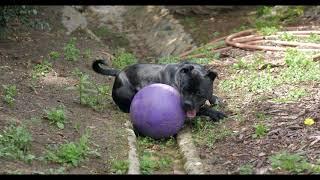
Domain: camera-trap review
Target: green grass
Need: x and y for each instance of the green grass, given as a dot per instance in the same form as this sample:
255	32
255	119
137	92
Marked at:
207	51
83	85
251	81
268	21
165	162
208	133
293	163
54	55
261	116
291	14
267	31
155	160
15	143
123	59
118	40
147	142
147	164
292	95
288	37
14	172
313	38
120	167
265	22
239	117
189	22
240	28
168	60
72	153
246	169
263	10
87	54
102	31
57	116
294	58
10	91
40	70
60	170
71	52
26	15
150	162
215	34
91	94
260	130
204	61
299	68
77	127
23	14
242	64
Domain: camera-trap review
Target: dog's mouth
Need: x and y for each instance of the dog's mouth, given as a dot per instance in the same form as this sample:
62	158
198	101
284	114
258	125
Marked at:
191	113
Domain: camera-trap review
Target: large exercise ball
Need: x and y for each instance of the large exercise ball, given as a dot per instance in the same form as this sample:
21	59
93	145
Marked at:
156	111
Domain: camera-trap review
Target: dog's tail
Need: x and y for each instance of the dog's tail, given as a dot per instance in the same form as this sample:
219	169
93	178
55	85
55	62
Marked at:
106	71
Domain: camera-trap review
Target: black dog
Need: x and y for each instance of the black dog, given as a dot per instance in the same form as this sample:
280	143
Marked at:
194	83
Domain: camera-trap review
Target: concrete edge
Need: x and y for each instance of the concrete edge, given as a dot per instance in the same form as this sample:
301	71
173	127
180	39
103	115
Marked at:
134	165
193	164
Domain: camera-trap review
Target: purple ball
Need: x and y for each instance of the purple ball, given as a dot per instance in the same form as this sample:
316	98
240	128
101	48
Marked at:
156	111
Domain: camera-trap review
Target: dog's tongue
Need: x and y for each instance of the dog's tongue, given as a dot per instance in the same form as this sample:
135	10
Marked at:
191	113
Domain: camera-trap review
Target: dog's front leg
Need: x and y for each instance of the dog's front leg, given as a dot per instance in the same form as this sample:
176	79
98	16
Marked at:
213	114
215	100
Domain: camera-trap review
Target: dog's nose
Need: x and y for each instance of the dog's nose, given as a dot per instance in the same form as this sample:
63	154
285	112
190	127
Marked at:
187	105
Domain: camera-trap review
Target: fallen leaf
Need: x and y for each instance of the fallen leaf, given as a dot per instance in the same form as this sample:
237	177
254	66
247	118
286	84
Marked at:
309	121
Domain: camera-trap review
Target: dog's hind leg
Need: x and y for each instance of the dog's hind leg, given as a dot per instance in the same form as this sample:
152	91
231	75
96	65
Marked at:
123	97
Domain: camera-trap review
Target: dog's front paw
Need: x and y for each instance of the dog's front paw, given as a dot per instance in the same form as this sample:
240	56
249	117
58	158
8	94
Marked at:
217	115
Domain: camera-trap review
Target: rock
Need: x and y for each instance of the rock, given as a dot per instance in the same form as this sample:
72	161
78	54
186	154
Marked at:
312	12
200	10
178	172
111	16
160	28
154	26
72	19
262	170
261	154
193	163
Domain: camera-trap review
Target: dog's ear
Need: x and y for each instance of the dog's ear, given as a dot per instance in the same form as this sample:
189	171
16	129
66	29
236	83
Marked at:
212	75
186	68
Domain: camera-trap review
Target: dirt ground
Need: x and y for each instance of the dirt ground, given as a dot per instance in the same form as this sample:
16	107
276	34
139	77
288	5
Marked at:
24	48
286	131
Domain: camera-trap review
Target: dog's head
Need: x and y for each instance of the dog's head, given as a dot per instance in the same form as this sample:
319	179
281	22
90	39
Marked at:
195	85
